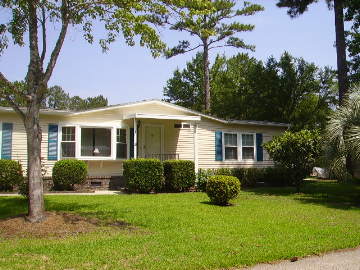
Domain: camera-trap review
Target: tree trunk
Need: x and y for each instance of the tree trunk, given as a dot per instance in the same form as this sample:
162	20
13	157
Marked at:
341	49
206	66
34	136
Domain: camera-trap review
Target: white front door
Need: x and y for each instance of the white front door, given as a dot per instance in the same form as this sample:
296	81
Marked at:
153	141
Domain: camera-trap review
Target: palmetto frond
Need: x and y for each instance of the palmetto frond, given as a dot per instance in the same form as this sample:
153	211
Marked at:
343	133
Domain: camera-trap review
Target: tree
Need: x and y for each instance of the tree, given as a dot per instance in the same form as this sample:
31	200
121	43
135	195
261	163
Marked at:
342	137
297	152
214	27
353	39
298	7
287	90
30	19
57	98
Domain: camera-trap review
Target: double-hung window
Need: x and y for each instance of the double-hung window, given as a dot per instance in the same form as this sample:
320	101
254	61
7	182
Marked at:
239	146
248	146
68	142
121	146
231	146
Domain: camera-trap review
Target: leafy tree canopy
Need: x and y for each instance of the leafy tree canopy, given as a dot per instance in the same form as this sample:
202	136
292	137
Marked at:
57	99
287	90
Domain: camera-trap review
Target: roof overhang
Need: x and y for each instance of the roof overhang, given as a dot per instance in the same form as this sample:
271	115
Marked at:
163	117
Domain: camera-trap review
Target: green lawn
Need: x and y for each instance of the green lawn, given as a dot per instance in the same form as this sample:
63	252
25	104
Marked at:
184	231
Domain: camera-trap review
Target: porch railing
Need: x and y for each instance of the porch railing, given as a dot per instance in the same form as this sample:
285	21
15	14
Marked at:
163	157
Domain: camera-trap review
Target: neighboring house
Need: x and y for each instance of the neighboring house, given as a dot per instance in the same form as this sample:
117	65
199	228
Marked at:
105	137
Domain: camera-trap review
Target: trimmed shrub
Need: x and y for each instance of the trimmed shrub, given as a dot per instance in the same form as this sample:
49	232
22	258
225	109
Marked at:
11	174
144	175
202	178
69	172
222	188
179	175
224	171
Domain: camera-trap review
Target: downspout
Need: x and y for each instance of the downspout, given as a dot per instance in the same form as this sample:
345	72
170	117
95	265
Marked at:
135	138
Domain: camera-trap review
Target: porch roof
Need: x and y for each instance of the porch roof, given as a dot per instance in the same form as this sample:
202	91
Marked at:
163	116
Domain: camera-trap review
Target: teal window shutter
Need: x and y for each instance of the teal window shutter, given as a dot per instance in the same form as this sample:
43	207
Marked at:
6	144
53	142
259	148
218	146
131	142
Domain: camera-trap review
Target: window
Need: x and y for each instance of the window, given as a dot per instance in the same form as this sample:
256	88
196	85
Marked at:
182	125
248	146
121	146
68	142
96	142
231	146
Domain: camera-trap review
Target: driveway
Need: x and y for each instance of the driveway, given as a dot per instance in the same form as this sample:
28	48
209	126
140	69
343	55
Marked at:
338	260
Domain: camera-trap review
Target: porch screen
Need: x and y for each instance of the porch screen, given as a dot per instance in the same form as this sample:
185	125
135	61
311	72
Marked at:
96	142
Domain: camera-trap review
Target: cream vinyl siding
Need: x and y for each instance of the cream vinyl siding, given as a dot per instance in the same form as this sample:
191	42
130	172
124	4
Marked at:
19	141
181	141
206	144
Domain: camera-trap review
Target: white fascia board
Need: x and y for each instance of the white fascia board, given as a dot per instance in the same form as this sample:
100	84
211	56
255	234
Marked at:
164	117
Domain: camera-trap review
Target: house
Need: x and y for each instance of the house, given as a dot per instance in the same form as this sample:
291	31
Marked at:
105	137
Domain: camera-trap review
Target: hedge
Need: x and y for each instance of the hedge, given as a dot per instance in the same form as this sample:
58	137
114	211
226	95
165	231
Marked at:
179	175
222	188
249	177
144	175
69	172
11	174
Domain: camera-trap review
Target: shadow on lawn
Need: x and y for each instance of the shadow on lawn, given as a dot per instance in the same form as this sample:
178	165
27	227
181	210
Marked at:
11	206
85	209
329	193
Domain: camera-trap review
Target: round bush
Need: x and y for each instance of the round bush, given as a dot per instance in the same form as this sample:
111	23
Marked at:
222	188
67	173
11	174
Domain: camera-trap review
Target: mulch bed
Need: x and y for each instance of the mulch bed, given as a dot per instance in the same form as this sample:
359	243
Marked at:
56	224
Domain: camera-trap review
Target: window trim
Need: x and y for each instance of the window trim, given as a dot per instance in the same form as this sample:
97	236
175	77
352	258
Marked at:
239	146
127	143
60	141
78	127
111	143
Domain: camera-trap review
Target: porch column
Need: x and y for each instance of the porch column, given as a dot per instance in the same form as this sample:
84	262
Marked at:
135	138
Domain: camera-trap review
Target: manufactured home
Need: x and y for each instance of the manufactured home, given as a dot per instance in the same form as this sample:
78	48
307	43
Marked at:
107	136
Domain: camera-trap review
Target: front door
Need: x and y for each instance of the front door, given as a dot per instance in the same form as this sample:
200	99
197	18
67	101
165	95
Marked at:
153	141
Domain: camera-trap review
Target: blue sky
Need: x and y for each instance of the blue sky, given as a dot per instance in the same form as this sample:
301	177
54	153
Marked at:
130	73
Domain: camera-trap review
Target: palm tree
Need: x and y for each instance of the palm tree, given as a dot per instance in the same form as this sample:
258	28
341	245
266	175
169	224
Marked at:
343	135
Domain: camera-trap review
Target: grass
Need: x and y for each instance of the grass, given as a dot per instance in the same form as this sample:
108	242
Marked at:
184	231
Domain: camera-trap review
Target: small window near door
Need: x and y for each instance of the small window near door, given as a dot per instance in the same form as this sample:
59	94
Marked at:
68	142
121	145
182	125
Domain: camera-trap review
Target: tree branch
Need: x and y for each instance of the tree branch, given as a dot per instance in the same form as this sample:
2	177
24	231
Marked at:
56	51
43	27
34	66
5	83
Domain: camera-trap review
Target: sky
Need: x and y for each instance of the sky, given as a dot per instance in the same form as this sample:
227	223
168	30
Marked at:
126	74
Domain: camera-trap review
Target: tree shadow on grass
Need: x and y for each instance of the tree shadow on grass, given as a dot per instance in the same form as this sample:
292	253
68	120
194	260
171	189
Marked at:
85	209
11	206
328	193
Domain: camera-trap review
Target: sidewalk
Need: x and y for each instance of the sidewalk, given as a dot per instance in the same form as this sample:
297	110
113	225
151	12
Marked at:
97	192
